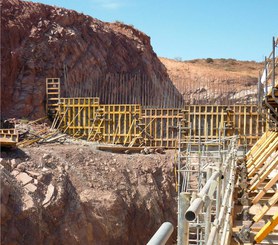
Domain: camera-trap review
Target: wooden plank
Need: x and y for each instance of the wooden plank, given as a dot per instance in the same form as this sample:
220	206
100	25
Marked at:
258	179
267	229
265	189
122	149
272	201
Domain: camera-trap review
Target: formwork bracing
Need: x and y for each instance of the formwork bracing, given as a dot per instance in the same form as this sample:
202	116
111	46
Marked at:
210	121
134	125
259	172
260	192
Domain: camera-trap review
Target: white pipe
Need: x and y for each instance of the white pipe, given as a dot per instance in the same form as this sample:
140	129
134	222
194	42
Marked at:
162	234
197	204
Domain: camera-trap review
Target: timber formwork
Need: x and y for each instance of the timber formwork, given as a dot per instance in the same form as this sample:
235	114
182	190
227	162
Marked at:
133	125
161	126
262	163
262	184
211	121
126	124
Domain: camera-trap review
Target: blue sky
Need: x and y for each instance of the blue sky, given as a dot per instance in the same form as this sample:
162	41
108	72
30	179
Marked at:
190	29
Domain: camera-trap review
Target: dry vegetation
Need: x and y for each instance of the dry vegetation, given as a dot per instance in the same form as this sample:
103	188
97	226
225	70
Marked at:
217	77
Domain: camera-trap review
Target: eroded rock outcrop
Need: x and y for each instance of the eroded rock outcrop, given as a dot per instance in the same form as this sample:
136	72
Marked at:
110	60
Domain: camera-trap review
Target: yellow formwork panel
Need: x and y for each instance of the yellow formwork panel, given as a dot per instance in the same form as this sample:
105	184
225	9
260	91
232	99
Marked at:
208	121
161	126
120	122
77	115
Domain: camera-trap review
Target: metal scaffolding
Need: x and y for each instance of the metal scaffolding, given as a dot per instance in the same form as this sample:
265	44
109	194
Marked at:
206	176
268	88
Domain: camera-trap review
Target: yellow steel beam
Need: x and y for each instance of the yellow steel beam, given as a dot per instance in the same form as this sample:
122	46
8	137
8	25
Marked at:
267	228
272	201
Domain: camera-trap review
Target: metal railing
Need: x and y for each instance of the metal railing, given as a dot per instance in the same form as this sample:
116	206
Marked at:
268	87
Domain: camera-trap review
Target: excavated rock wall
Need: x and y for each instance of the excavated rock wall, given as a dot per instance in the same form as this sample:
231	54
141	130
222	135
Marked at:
74	194
92	57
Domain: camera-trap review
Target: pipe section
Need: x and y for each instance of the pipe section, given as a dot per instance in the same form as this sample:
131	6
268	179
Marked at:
162	234
197	204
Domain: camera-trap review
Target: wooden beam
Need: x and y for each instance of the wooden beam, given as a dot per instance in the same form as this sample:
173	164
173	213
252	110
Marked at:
267	229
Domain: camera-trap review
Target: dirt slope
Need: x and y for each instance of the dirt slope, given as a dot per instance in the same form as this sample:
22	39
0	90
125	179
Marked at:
110	60
75	194
214	81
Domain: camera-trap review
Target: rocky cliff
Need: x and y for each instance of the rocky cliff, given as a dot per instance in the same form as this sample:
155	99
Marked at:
111	60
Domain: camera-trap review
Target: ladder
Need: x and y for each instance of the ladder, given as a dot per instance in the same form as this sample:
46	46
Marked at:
52	95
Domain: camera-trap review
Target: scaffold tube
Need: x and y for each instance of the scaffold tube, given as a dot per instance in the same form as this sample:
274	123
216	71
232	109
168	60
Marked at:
162	234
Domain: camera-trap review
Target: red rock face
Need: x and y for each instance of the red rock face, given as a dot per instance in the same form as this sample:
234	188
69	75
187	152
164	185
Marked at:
113	61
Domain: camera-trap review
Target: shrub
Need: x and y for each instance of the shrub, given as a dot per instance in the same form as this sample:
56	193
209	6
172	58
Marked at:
209	60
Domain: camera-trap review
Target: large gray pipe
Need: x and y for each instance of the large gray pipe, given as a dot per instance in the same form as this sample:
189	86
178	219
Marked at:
162	234
197	204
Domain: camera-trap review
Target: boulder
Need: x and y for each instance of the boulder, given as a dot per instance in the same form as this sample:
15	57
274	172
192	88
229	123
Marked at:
24	178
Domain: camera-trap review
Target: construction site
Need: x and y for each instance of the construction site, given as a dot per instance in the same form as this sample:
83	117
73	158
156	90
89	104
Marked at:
132	156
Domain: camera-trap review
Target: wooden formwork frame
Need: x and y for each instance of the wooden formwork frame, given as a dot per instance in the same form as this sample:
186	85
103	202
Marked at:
120	122
261	162
208	121
247	123
162	124
81	116
86	118
77	114
127	123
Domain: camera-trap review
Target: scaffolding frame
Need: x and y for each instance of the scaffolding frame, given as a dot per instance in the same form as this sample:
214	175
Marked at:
198	193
